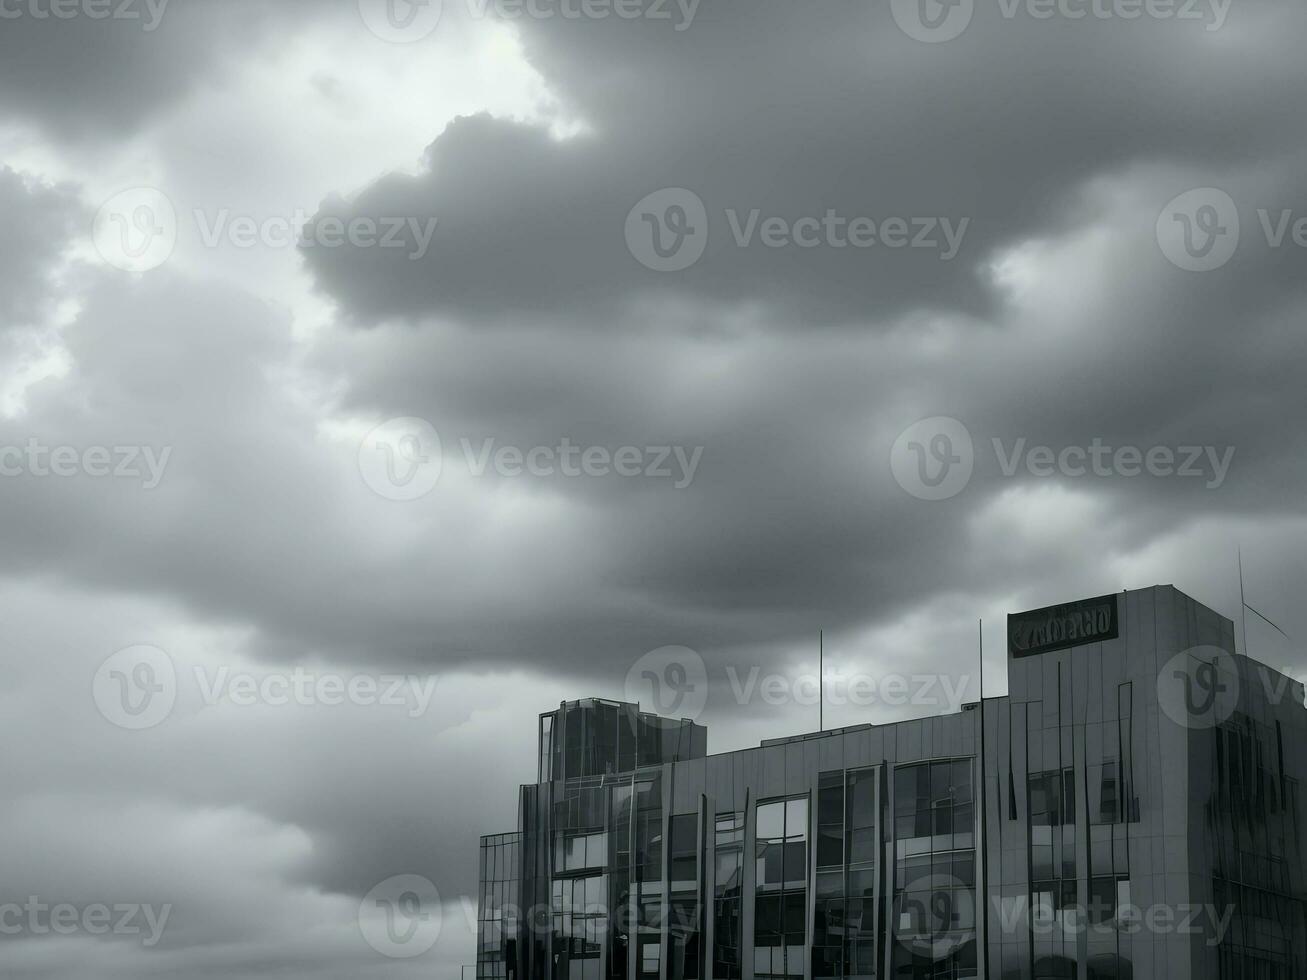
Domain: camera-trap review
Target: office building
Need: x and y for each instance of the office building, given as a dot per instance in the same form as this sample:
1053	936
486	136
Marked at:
1130	809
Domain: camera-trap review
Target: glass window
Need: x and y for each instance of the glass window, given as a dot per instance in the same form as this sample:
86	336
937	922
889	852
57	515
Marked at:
684	852
730	863
650	955
1108	809
1107	896
546	747
1053	798
683	940
727	873
1053	872
579	921
730	829
830	846
796	818
771	820
935	901
781	830
844	918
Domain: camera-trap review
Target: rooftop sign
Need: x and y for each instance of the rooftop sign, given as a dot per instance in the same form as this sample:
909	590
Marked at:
1060	627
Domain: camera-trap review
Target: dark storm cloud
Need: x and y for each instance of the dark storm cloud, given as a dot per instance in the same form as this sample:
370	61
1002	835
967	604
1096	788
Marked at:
263	549
796	112
792	518
98	69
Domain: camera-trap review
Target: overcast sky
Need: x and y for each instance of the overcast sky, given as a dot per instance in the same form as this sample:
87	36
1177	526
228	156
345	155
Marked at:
611	327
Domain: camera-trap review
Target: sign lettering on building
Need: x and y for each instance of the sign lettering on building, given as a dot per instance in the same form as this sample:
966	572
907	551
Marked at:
1060	627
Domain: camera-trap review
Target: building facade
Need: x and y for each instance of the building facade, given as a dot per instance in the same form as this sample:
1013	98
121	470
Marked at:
1131	809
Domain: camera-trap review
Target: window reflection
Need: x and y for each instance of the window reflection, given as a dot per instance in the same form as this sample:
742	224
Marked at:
779	934
684	928
727	883
935	861
844	926
497	925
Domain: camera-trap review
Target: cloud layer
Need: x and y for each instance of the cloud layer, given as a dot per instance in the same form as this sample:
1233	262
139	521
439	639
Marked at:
788	366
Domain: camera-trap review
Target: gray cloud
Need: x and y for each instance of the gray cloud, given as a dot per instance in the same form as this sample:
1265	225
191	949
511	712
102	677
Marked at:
793	113
528	322
100	78
39	222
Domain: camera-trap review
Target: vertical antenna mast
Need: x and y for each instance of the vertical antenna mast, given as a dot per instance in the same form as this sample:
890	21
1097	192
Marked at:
821	682
983	904
1243	606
